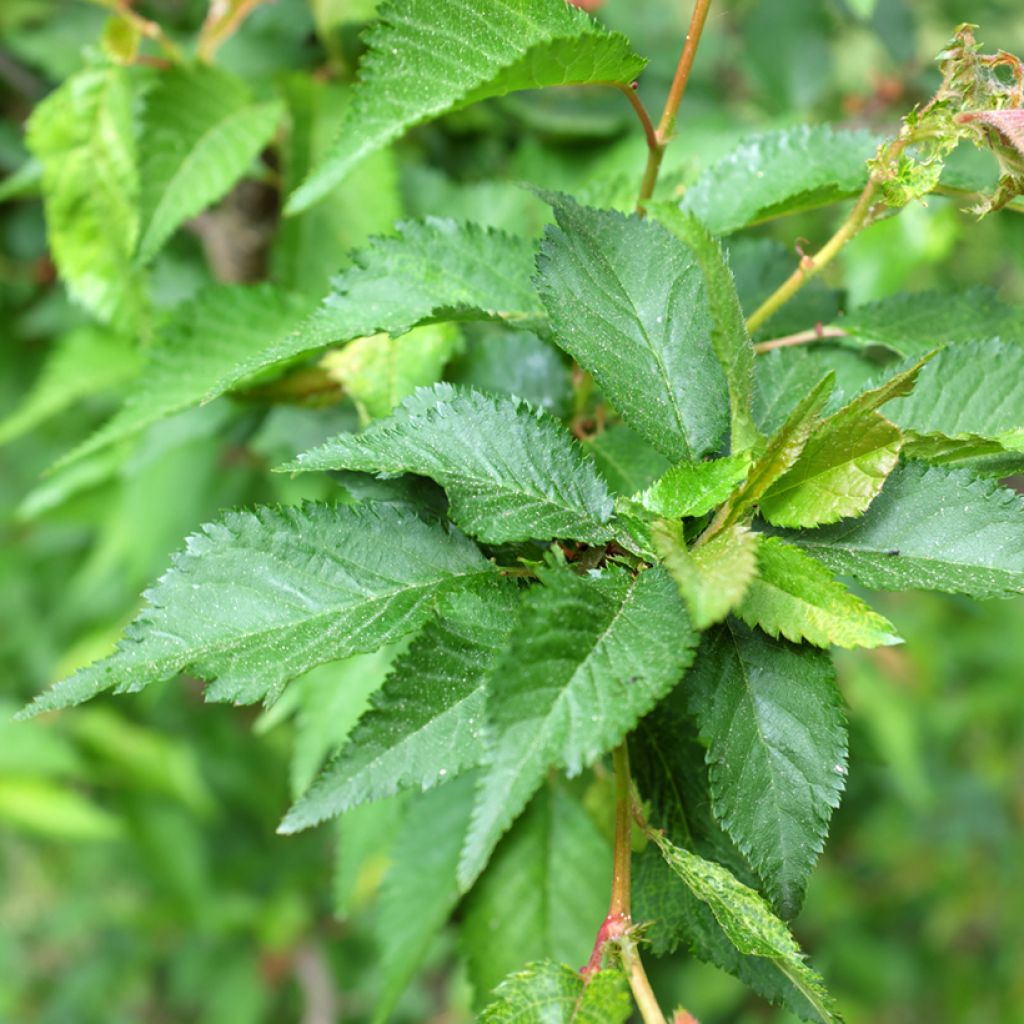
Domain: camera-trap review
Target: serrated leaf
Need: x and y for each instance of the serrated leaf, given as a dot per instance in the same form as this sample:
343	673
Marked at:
543	895
281	590
712	577
749	922
426	724
590	655
511	472
795	596
845	462
772	719
627	302
912	324
83	134
379	371
694	488
779	173
729	335
625	459
432	271
549	993
931	528
200	133
419	892
425	59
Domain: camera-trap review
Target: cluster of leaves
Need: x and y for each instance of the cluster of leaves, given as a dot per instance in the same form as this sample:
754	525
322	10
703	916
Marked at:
659	571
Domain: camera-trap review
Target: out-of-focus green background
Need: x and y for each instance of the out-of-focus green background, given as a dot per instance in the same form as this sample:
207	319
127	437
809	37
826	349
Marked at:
140	876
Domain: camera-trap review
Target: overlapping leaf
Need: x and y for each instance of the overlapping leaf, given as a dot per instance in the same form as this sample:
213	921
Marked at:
259	597
694	488
550	993
425	59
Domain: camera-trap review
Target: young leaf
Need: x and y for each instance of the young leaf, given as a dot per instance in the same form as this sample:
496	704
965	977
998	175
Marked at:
749	922
728	328
627	302
549	993
543	895
778	173
772	718
931	528
200	133
425	59
796	596
694	488
511	472
425	724
281	591
713	577
412	913
83	134
590	655
844	463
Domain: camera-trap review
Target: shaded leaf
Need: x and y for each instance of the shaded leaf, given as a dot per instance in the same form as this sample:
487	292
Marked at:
625	459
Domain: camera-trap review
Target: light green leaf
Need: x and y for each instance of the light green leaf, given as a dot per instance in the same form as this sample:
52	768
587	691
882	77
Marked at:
548	993
728	327
543	895
749	922
53	810
511	472
426	724
844	463
627	301
694	488
772	719
931	528
83	134
200	133
779	173
795	596
379	371
282	590
425	59
713	577
419	892
590	655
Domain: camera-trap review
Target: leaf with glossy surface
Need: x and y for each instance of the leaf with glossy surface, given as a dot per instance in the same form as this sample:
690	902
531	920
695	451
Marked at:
694	488
772	719
550	993
281	590
511	472
931	528
425	59
627	302
795	596
590	655
426	724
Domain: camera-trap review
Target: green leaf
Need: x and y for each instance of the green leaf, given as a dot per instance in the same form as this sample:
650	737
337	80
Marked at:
845	462
749	922
379	371
425	724
543	895
425	59
200	133
795	596
627	301
511	472
411	914
548	993
590	655
713	577
728	327
281	590
625	459
931	528
914	324
84	136
694	488
772	719
779	173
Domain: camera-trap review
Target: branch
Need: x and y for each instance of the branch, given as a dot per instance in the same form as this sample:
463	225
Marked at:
817	333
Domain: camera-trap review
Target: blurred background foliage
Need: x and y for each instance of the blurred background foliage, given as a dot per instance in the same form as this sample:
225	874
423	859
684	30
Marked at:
140	876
